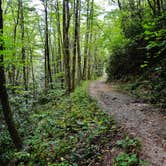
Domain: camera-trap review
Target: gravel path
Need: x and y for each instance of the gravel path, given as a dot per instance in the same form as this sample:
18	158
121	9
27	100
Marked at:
138	119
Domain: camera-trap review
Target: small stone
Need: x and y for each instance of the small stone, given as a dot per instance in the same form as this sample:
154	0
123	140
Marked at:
114	98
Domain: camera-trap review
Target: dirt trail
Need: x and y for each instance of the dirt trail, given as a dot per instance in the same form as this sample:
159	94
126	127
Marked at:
138	119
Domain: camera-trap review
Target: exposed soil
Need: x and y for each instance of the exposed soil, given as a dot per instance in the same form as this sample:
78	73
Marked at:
138	119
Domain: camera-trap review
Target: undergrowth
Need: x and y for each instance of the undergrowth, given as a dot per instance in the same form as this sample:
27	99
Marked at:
129	155
151	90
63	131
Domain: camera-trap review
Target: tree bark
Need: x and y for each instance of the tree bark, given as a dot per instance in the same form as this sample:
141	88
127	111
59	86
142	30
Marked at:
48	74
79	75
86	43
90	41
60	43
66	23
75	44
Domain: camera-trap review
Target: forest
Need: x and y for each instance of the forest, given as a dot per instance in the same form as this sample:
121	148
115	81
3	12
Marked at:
71	72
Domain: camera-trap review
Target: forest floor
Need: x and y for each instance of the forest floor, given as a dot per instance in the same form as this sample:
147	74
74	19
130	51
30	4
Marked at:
136	118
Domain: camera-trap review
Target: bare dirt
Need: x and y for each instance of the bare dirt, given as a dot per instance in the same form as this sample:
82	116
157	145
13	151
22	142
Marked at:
138	119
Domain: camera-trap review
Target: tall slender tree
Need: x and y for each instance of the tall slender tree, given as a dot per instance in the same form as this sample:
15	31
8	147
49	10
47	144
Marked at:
3	92
90	40
79	68
66	44
48	74
25	79
60	42
75	44
16	24
86	40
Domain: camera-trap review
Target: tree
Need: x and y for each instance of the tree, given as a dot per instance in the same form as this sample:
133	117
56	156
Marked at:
3	92
86	40
23	51
90	40
79	72
66	48
48	74
76	3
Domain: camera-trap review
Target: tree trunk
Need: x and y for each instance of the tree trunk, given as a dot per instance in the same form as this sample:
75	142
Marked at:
60	43
23	48
90	41
119	4
78	44
16	20
75	44
3	93
25	79
66	23
86	43
48	74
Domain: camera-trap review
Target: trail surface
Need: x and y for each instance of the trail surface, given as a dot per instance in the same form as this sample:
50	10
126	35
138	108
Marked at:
138	119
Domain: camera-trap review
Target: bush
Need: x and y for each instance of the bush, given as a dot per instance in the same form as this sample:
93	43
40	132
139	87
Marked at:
126	59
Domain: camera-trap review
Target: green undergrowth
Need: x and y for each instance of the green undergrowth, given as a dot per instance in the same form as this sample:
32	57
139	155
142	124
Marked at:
129	155
63	131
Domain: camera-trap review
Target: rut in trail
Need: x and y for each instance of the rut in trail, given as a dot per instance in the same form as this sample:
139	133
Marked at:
138	119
